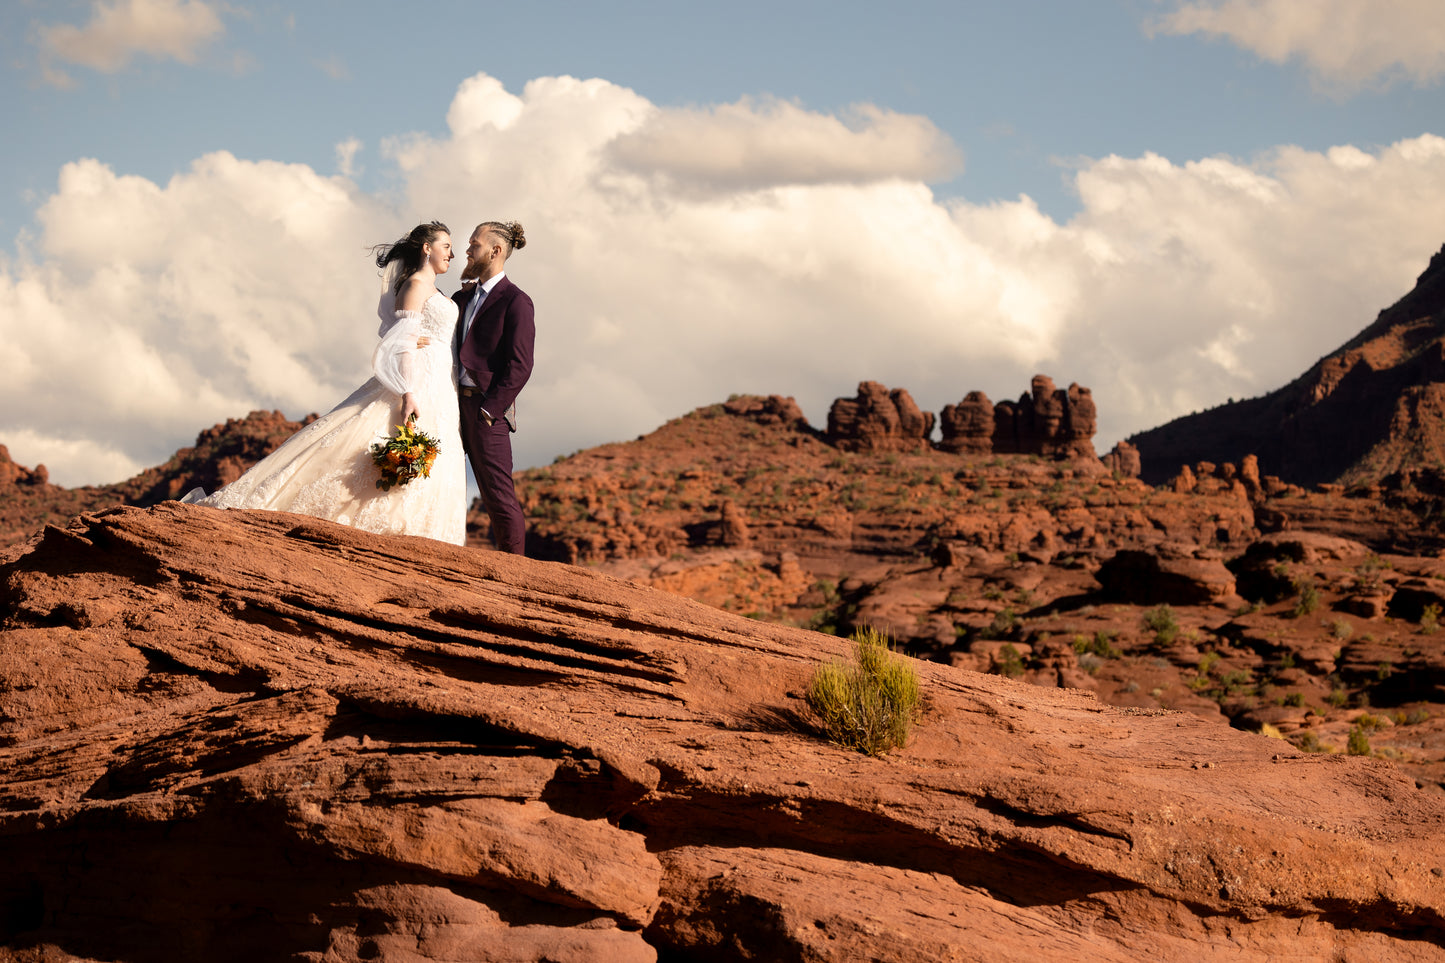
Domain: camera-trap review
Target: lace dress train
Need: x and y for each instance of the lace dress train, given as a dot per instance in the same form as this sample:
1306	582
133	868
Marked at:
325	469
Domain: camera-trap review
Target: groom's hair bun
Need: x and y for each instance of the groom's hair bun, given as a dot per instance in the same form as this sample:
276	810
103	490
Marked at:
509	231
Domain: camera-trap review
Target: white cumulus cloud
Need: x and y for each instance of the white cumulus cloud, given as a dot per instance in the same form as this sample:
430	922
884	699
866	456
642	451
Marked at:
143	312
117	32
1346	44
750	145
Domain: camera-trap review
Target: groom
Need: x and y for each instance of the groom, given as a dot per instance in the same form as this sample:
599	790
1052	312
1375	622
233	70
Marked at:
494	348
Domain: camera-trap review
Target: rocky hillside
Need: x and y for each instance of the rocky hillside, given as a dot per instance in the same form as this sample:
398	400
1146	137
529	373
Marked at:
248	736
1233	596
221	453
1371	410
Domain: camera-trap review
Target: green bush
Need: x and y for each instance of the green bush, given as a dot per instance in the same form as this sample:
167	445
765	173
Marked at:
868	705
1430	618
1010	662
1005	622
1102	644
1309	597
1160	620
1359	744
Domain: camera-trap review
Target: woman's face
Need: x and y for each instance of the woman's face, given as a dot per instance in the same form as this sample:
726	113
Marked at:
441	253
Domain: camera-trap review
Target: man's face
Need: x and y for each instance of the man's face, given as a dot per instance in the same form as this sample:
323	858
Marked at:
482	250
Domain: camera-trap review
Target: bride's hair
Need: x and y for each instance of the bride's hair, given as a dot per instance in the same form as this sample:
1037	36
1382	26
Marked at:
509	231
409	250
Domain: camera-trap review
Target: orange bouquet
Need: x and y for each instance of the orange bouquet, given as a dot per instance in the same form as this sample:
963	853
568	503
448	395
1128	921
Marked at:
408	453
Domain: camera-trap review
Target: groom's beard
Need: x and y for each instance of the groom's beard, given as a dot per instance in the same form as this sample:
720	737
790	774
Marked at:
472	271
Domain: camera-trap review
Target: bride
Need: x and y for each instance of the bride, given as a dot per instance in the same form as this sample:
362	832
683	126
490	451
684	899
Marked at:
326	470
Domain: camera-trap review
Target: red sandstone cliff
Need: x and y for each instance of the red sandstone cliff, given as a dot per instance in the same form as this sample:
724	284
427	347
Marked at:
1371	409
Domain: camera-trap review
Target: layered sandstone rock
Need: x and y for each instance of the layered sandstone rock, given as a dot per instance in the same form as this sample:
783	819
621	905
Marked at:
13	474
249	736
878	420
1123	460
1048	421
968	426
772	410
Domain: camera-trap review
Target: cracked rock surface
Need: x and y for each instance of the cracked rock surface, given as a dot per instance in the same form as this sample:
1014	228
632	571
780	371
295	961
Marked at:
256	736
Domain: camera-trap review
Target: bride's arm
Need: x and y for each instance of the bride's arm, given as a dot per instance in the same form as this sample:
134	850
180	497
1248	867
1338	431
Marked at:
395	355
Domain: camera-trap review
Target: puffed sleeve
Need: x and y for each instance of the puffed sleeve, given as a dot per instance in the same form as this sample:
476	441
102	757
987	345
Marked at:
396	352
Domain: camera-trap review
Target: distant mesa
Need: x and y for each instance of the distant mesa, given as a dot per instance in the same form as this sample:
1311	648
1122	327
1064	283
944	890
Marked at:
1366	414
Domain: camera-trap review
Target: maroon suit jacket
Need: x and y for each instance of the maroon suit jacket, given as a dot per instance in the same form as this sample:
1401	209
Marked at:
497	351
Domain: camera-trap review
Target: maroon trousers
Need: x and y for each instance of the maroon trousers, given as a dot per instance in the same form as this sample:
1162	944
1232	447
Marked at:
489	449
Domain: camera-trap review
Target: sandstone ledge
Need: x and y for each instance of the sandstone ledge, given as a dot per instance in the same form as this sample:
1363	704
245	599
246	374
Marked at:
241	736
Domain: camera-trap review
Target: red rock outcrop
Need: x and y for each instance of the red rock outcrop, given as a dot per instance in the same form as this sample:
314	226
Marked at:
13	474
772	410
878	420
968	426
250	736
1123	460
220	455
1048	421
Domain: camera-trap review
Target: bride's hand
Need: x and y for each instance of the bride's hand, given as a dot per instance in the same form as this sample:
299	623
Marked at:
408	407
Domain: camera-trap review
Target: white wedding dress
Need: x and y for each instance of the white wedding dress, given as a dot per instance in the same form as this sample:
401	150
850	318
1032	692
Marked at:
325	469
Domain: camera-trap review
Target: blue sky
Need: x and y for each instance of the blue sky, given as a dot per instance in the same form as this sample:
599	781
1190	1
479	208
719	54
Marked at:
1171	203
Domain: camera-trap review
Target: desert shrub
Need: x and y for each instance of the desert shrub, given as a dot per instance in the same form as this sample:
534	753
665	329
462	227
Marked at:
1235	681
1341	629
1368	722
1010	662
1296	699
868	705
1160	620
1207	661
1101	645
1416	716
1308	599
1368	573
1005	622
1309	742
1338	698
1270	731
1430	618
1359	744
